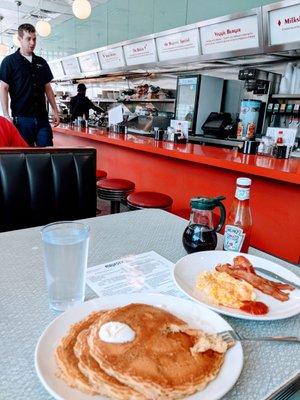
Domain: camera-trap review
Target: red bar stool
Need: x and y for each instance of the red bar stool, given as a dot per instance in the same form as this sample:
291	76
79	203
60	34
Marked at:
140	200
114	190
100	174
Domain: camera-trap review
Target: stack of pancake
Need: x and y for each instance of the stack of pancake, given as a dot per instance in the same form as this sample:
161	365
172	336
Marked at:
166	359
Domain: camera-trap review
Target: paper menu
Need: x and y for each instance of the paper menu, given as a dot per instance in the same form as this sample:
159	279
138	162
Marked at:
115	115
146	272
289	134
181	125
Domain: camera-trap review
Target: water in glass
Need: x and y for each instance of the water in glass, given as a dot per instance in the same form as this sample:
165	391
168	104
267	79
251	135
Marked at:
66	252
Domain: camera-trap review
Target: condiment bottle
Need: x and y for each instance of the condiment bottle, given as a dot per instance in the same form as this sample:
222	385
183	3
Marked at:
200	234
279	150
279	141
239	220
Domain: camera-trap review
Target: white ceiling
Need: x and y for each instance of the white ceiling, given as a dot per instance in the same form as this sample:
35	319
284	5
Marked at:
55	11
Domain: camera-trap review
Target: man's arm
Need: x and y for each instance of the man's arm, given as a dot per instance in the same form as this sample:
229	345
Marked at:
51	99
95	108
4	87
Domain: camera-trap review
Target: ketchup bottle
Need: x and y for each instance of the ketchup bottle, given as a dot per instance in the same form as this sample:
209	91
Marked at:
239	220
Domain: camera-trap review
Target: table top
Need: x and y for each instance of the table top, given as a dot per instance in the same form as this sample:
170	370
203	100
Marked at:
25	313
286	170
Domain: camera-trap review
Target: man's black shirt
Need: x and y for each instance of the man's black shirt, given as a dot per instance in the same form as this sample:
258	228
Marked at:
80	106
26	82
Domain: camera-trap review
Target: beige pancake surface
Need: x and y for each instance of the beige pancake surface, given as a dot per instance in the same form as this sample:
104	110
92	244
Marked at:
100	381
66	359
163	361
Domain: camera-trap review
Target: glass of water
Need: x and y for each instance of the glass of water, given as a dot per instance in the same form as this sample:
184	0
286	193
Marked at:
65	254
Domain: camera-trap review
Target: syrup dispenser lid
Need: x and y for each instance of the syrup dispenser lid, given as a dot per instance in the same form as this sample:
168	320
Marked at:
205	203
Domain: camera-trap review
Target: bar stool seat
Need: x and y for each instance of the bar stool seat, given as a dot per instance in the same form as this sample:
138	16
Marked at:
114	190
116	184
139	200
100	174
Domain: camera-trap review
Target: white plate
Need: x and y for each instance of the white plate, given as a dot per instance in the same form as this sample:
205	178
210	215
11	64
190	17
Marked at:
189	267
194	314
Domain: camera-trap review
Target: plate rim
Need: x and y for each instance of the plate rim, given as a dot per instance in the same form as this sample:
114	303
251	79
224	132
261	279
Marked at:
85	307
220	310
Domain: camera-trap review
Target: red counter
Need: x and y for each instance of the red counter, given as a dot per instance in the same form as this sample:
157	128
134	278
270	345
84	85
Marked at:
184	171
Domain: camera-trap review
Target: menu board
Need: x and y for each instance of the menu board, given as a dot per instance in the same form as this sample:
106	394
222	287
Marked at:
112	58
89	62
56	69
141	52
71	66
236	34
178	45
284	25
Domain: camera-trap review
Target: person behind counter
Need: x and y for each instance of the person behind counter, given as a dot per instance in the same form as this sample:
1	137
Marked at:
9	135
80	104
26	78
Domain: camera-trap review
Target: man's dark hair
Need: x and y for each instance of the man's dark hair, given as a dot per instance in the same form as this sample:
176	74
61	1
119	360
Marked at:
25	28
81	87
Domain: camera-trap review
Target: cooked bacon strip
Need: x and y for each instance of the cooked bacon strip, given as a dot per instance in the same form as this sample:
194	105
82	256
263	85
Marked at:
264	285
243	263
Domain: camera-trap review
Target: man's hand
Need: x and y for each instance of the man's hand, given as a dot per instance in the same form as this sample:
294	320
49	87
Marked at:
55	119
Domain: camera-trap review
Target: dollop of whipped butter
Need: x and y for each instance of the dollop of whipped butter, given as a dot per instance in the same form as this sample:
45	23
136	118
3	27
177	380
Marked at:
116	332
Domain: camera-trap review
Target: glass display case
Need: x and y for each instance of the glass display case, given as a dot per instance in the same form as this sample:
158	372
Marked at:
187	95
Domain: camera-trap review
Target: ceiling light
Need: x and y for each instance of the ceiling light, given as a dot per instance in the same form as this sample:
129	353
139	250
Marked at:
43	28
81	8
16	40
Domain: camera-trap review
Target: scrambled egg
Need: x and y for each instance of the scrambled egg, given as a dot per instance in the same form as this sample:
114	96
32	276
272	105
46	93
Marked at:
221	289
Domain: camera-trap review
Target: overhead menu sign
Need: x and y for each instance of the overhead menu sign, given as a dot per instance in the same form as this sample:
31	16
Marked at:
178	45
56	69
89	62
140	53
112	58
236	34
71	66
284	25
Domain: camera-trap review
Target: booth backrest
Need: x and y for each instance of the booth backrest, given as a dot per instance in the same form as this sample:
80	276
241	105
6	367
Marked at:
43	185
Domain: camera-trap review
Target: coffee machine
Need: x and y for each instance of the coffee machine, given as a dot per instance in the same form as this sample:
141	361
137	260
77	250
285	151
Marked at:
258	88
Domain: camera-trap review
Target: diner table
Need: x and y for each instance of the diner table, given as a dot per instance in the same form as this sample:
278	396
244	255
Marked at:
268	366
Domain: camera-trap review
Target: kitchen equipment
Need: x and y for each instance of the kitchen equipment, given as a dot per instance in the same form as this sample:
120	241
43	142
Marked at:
201	234
217	125
249	114
187	95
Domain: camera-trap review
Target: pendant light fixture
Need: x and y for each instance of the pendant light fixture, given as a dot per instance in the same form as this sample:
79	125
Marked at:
81	8
15	36
4	48
42	27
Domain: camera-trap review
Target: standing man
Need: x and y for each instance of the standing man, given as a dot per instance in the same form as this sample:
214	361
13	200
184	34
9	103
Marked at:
80	104
26	78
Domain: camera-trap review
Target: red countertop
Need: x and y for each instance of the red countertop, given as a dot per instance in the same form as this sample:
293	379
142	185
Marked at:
286	170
